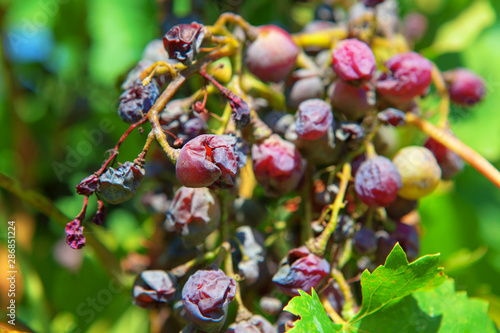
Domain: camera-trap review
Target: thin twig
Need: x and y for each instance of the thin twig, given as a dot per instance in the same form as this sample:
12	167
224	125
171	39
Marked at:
449	141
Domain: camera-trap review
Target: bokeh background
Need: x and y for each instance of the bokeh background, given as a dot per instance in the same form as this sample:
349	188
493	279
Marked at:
62	63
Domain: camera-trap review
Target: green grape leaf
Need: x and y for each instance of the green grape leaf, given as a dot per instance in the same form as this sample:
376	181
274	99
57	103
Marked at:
400	297
397	279
438	310
462	31
313	317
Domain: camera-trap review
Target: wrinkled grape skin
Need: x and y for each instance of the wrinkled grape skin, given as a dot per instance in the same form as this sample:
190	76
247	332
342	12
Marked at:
353	61
206	297
136	101
194	213
271	56
420	172
277	165
152	288
409	77
301	270
255	324
466	87
314	118
120	184
377	182
450	162
364	241
207	160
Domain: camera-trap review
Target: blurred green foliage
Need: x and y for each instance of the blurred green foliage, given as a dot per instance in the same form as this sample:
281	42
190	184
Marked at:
62	64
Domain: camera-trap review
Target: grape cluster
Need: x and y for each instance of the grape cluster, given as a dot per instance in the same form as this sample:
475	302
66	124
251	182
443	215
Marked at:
278	164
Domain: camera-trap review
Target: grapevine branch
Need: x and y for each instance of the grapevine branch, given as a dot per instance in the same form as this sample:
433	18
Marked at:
449	141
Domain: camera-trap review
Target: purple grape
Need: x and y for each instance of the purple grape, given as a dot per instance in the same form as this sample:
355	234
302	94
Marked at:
377	182
466	87
120	184
206	297
136	101
277	165
207	160
409	77
271	56
314	119
364	241
152	288
301	270
353	61
194	213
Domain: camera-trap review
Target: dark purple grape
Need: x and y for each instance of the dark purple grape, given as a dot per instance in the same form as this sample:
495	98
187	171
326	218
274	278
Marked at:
207	160
466	87
314	119
120	184
353	61
272	55
255	324
407	236
193	214
152	288
400	207
364	241
409	77
301	270
136	101
450	162
277	165
183	41
377	182
206	297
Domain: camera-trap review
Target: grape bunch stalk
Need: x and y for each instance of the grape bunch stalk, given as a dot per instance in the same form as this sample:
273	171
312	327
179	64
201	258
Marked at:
276	142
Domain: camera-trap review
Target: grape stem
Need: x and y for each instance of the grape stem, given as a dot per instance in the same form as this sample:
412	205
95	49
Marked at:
115	150
337	319
449	141
319	244
348	308
322	39
181	270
